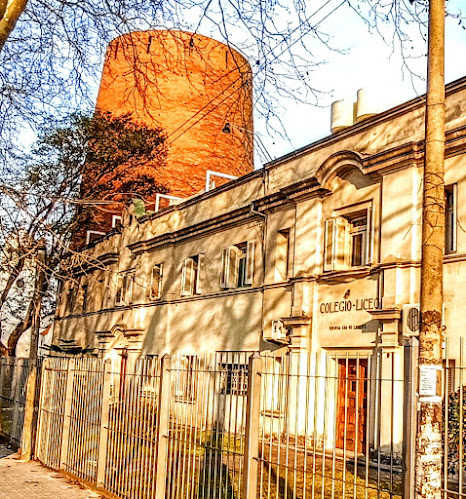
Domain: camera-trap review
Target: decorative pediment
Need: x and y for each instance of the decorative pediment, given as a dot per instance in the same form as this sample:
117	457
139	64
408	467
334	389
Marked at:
338	164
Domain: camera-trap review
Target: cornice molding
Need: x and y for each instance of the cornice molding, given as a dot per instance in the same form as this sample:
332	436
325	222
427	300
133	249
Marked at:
212	225
390	114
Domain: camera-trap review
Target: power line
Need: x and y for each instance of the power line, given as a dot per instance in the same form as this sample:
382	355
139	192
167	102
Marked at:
261	68
171	139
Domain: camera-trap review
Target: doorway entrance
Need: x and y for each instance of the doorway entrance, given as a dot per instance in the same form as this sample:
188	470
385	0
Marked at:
352	404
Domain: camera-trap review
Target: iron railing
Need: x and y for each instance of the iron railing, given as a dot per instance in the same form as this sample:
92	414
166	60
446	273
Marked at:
238	425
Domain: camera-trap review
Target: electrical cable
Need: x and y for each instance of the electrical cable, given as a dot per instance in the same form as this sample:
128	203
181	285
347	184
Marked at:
261	68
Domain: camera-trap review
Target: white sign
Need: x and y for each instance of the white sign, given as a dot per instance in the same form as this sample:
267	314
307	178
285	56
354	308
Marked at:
428	382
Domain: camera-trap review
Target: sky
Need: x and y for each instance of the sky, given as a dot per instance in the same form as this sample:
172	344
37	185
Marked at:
367	62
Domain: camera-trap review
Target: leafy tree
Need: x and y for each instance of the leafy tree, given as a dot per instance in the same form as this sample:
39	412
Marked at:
49	202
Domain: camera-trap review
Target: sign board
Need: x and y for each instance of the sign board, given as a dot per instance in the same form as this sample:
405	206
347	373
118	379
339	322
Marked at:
430	383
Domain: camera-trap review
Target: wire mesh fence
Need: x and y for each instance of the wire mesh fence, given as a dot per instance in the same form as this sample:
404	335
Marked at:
238	425
13	377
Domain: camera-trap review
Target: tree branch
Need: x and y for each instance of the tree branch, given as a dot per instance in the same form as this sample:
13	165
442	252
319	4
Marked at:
11	279
10	15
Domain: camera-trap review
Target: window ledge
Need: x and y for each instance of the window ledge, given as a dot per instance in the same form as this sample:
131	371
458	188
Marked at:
345	274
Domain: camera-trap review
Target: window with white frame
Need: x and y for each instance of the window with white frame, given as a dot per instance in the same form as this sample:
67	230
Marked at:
125	285
155	284
116	220
358	250
93	235
450	218
348	239
237	266
191	275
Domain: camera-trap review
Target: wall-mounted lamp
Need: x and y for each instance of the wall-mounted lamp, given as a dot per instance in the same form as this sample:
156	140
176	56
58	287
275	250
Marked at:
227	129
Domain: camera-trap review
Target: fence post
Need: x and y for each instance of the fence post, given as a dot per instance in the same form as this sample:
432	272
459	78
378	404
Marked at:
411	353
37	450
251	445
163	419
102	456
2	377
67	413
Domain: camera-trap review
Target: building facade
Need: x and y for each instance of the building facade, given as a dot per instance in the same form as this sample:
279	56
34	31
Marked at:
194	90
319	251
325	240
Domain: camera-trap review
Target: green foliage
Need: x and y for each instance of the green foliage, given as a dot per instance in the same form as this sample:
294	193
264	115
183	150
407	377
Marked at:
455	412
92	157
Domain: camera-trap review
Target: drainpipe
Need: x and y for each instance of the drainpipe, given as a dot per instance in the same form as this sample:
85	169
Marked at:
264	248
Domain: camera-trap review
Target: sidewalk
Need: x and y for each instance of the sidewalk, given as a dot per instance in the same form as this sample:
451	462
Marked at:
33	481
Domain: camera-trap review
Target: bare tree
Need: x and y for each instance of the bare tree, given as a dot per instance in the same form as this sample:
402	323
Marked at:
50	59
51	52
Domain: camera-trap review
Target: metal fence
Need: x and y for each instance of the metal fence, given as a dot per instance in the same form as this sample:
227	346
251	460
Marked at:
207	424
454	427
331	426
246	426
98	423
13	377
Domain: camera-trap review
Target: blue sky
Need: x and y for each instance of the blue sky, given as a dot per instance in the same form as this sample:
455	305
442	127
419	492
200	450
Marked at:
369	62
364	60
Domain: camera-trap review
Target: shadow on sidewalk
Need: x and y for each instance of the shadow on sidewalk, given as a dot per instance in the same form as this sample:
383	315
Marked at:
5	451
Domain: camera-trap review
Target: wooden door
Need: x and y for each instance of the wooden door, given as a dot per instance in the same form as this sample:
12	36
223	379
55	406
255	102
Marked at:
352	404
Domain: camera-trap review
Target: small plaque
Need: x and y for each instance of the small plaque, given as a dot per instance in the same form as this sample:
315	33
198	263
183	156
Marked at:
429	382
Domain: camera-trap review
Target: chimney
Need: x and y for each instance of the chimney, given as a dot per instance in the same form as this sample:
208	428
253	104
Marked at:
346	113
342	115
367	105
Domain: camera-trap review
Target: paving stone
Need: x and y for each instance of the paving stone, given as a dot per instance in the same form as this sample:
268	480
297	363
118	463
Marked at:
33	481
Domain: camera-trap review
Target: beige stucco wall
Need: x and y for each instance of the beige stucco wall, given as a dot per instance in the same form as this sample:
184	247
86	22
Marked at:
383	168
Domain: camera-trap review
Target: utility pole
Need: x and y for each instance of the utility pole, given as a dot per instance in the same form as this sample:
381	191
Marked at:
429	431
28	426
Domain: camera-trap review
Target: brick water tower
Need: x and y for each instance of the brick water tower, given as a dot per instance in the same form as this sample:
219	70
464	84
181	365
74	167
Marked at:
191	86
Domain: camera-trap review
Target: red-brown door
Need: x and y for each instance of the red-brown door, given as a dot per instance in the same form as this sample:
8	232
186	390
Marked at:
352	404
